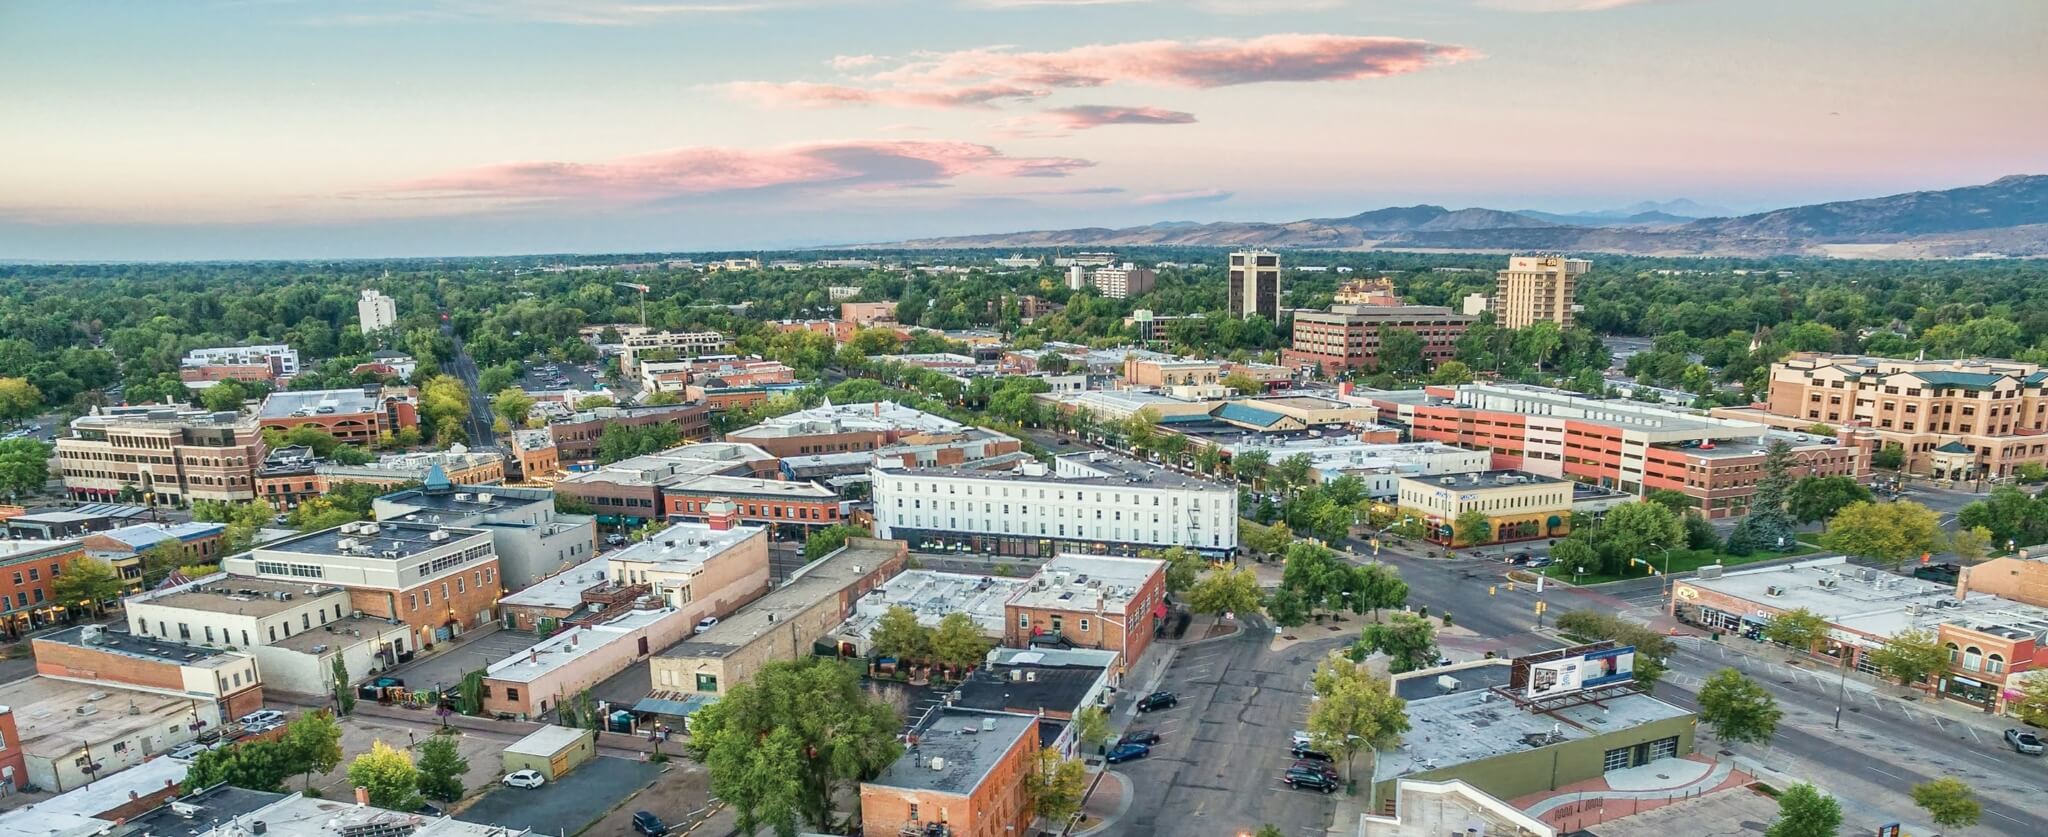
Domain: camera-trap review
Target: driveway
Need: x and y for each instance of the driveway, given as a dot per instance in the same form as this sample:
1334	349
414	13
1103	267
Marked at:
569	804
446	668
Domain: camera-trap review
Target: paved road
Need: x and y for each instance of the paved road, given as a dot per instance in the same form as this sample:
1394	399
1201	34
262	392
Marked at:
463	367
1880	745
1476	593
1217	770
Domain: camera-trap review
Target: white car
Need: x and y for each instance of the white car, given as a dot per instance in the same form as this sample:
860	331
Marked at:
705	623
189	752
262	718
1301	739
525	779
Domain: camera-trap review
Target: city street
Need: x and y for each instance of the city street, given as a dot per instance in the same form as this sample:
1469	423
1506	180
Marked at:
1216	771
462	366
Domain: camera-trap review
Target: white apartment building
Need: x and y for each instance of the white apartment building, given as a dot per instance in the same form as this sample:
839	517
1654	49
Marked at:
293	629
1380	465
1124	281
376	311
283	360
685	343
1092	502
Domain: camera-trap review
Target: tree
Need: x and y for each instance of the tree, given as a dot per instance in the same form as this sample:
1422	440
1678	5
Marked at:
1676	501
1314	574
344	697
1409	641
1451	373
1183	567
1293	473
1949	802
1910	656
315	741
1055	786
1970	544
1769	525
1798	628
1228	590
441	767
1354	711
781	746
898	634
255	765
1377	587
1251	465
87	584
1400	353
24	466
1890	457
828	540
512	404
1472	527
2010	515
1243	384
1737	708
958	642
1803	811
1816	498
443	405
1575	556
19	399
1888	533
1287	607
1091	727
2032	704
223	396
388	775
1636	530
1269	830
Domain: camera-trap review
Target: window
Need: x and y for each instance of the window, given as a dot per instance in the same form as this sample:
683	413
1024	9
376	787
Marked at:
1664	748
511	693
1995	664
707	682
34	574
913	812
1616	759
1973	658
1023	620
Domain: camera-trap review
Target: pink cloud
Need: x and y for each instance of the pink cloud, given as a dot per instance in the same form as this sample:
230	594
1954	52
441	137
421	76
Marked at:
978	77
1083	117
827	166
1189	196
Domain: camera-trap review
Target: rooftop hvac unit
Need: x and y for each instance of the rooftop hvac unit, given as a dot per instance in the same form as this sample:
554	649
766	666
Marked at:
1829	582
483	497
1774	591
462	496
938	763
345	544
438	535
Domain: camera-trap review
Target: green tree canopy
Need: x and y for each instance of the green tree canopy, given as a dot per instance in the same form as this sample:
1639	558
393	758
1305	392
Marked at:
1888	533
1354	710
1409	641
389	776
1803	811
441	767
1737	708
1818	498
781	747
1226	590
898	634
1949	802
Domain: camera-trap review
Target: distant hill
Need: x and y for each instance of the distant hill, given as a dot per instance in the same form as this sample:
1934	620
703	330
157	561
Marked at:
2008	216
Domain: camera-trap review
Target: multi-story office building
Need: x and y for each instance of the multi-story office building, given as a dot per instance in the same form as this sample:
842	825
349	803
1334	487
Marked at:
1255	284
532	540
1093	502
1124	282
376	311
1537	289
1518	506
629	492
708	569
169	456
1377	291
1172	372
271	364
712	372
437	581
1622	445
864	314
577	435
681	343
791	506
1348	336
358	415
1954	419
294	629
1090	601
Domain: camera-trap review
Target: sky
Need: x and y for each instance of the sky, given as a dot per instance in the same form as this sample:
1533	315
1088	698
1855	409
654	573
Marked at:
230	129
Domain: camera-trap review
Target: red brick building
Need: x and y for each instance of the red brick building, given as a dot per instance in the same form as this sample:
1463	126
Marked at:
27	569
761	501
1348	337
576	437
962	775
357	416
1090	601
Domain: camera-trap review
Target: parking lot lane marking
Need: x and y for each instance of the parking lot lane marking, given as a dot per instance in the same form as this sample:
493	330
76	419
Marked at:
1973	733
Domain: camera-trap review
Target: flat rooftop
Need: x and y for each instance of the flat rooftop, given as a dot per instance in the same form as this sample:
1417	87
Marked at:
488	499
823	579
1481	480
874	416
1086	583
563	590
146	535
289	403
238	594
403	538
572	643
1874	602
46	713
931	595
300	816
117	640
1478	675
348	630
26	547
546	741
219	803
111	792
750	487
684	547
963	758
1469	726
1026	682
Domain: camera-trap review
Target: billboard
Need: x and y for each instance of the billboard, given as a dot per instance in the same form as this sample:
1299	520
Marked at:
1578	669
1555	677
1610	666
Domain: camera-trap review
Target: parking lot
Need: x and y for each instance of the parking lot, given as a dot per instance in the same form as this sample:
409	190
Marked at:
446	668
568	804
1217	768
535	376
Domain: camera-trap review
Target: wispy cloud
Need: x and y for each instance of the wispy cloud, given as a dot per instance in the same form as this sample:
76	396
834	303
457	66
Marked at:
980	77
564	12
1560	5
1082	117
855	165
1189	196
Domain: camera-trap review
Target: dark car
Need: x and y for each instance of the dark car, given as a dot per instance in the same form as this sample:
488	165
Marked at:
1315	780
1126	752
647	823
1322	767
1308	754
1139	736
2024	741
1521	558
1157	700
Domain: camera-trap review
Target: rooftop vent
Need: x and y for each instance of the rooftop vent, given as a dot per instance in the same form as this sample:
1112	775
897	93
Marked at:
1774	591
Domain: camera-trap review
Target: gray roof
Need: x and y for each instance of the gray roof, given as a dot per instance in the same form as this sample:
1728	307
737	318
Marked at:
405	538
1470	726
353	400
956	749
824	579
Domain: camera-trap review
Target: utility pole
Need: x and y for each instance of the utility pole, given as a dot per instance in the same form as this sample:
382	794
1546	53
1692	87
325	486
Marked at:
643	289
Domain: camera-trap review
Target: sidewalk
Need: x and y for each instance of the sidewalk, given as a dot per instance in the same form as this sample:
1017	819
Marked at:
1825	674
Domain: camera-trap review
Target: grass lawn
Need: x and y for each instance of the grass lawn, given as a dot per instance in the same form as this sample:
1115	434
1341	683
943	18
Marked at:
1683	561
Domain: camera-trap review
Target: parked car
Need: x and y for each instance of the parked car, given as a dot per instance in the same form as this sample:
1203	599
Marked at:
524	779
191	751
2024	741
1323	767
1139	736
705	623
1539	562
647	823
1157	700
261	718
1126	752
1311	754
1315	780
615	539
1521	558
1301	739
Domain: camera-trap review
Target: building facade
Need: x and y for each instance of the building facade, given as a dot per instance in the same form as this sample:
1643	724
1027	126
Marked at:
28	568
1517	506
1255	285
1093	503
1537	289
1124	282
1348	337
577	436
1090	601
165	456
293	630
681	343
437	581
957	783
358	416
375	311
532	540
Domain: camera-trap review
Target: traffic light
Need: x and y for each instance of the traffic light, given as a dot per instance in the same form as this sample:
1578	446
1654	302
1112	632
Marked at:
1493	590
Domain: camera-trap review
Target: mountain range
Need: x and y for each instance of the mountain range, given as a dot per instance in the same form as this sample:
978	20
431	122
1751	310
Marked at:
2008	217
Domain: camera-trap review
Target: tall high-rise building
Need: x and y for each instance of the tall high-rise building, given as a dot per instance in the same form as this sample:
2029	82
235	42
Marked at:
1535	289
1255	284
1123	282
1077	277
377	311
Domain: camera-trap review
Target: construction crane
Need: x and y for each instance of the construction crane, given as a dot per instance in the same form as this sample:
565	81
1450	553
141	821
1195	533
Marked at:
643	298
